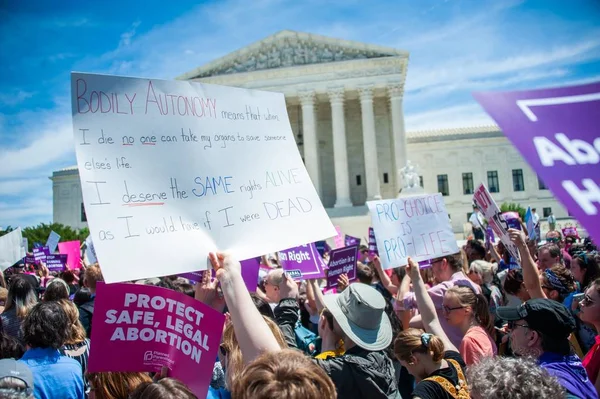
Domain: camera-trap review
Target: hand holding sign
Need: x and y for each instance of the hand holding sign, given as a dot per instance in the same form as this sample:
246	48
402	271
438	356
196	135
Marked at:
412	270
288	288
206	291
224	265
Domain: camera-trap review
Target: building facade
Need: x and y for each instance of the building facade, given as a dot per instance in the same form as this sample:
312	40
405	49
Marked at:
344	102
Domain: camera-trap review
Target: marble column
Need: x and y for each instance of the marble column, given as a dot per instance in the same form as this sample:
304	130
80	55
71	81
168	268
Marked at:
309	134
340	153
396	92
369	142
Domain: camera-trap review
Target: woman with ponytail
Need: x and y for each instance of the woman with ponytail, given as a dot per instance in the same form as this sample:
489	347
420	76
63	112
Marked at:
429	355
469	311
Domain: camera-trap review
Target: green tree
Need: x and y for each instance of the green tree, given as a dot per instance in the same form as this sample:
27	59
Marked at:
512	207
41	232
6	230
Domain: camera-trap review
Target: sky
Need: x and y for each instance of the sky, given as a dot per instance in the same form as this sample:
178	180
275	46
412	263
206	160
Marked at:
456	47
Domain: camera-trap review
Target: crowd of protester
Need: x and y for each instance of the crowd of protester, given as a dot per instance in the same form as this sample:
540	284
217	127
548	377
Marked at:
477	324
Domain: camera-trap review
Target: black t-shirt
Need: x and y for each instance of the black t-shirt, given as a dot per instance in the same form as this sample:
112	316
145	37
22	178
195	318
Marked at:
433	390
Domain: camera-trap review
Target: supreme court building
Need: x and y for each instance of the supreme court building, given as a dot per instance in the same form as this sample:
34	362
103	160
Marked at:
344	101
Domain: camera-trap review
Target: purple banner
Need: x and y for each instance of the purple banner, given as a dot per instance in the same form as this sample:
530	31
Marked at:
56	262
372	244
512	220
249	274
303	262
557	132
29	260
349	240
341	261
40	254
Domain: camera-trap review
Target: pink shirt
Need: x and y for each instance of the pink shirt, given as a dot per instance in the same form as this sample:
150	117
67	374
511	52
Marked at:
437	293
477	344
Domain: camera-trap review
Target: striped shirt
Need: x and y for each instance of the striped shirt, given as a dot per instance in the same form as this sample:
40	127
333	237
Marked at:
81	353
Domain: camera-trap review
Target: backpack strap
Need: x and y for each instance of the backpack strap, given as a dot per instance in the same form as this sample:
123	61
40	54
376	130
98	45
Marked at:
460	391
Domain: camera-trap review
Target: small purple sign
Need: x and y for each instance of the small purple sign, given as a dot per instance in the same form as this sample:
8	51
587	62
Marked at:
372	243
512	220
303	262
349	240
40	254
249	274
29	260
341	261
56	262
557	131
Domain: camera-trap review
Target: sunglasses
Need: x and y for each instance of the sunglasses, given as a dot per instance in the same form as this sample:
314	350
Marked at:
448	310
512	325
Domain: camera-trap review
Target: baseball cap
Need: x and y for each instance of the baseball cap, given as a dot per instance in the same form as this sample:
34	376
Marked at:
547	316
16	369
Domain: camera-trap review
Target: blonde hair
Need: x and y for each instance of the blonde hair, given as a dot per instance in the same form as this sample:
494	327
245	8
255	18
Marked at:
411	341
92	275
113	385
284	374
484	269
235	362
76	332
468	297
21	295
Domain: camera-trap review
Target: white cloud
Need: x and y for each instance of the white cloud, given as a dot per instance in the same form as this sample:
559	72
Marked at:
14	214
129	34
22	186
463	115
15	98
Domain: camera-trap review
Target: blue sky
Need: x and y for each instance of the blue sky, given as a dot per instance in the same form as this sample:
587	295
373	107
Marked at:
456	47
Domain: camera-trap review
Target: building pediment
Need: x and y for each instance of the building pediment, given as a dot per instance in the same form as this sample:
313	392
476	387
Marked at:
289	49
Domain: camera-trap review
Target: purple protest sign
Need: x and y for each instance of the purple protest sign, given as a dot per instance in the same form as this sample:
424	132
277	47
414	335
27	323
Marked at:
557	132
512	219
303	262
40	254
372	243
150	327
249	273
56	262
342	260
349	240
29	260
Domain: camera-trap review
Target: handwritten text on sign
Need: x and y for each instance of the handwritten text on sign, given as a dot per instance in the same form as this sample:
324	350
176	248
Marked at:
417	226
488	207
171	170
151	327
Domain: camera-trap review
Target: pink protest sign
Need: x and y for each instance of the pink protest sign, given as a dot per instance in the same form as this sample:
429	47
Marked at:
558	132
339	238
150	327
488	207
342	260
303	262
73	251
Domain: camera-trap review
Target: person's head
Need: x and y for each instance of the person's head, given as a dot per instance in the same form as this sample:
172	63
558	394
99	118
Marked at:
284	374
538	326
21	296
363	254
46	326
82	296
533	210
482	272
514	285
56	290
263	307
462	305
184	288
590	305
92	275
16	380
230	353
475	250
76	331
113	385
512	377
417	350
327	324
397	275
548	256
443	268
364	273
272	281
554	237
359	315
166	388
585	267
68	276
557	282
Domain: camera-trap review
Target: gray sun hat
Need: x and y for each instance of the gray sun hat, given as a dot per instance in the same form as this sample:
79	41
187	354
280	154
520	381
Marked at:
359	311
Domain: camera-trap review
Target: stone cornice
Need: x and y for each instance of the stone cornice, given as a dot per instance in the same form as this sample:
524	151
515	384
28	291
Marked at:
462	133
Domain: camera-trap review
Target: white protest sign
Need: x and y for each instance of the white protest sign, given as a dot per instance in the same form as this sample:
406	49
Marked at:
171	170
90	251
11	248
486	204
416	226
52	241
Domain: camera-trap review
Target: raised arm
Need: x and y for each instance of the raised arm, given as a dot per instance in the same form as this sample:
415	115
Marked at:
319	301
383	277
252	332
429	316
531	278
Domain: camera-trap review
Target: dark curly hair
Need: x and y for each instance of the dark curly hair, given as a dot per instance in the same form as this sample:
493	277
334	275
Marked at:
46	326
